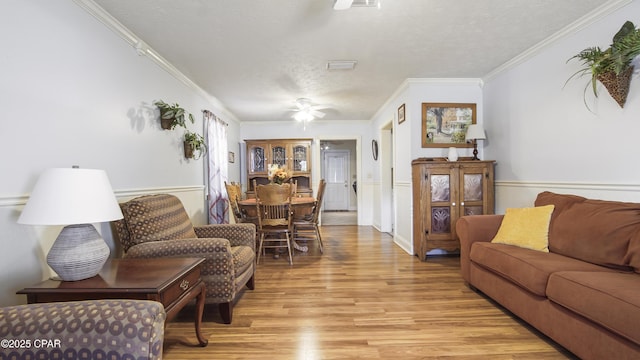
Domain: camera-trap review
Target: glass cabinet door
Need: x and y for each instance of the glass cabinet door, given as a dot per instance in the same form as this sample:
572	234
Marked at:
472	194
279	155
257	160
300	156
440	200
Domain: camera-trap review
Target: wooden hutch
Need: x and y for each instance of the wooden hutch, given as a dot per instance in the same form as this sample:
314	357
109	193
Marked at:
444	191
294	154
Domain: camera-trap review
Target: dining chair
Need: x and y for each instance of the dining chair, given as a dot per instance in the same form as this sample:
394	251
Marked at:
306	228
234	192
275	218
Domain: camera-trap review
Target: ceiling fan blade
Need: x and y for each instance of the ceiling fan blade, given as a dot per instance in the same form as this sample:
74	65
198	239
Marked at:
342	4
317	114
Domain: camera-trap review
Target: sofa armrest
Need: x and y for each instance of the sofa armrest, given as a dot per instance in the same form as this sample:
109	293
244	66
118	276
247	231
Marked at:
237	234
81	327
471	229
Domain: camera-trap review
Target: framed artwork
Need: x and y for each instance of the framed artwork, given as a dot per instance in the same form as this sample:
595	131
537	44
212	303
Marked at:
232	157
445	124
401	114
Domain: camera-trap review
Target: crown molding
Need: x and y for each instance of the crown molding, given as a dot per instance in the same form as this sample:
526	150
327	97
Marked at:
144	49
568	30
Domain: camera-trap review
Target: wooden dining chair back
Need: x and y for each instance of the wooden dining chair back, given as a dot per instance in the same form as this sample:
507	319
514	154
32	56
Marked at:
234	192
275	218
307	228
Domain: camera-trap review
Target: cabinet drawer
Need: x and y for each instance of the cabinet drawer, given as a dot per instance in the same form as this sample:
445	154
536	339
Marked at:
180	287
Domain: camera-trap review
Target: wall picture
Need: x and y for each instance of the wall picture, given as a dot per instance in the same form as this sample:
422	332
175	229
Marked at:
445	124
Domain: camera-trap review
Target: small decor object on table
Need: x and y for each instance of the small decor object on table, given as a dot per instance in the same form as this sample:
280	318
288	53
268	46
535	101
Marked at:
280	176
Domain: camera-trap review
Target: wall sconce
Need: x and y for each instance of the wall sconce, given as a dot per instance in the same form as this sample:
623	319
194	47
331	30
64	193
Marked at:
475	132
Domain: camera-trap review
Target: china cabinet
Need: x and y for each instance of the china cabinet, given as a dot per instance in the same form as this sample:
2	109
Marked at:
294	154
443	191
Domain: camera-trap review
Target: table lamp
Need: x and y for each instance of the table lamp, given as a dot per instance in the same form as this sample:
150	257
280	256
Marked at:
76	198
475	132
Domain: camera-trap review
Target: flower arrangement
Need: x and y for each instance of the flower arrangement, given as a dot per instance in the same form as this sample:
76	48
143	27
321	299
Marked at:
280	176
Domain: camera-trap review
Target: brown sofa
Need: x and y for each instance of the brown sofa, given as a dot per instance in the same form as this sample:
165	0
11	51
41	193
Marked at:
584	293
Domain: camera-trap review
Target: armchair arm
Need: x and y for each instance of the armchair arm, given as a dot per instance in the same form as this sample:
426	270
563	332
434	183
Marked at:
138	326
218	270
237	234
475	228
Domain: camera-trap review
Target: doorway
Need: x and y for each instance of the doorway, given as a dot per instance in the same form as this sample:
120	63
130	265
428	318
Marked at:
338	168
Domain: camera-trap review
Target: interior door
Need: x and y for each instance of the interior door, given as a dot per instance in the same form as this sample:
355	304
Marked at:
336	174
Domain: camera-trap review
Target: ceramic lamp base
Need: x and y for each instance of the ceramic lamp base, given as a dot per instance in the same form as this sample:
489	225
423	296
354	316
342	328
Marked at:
78	253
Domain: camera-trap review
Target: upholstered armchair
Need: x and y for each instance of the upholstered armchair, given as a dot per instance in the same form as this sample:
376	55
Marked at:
158	226
91	329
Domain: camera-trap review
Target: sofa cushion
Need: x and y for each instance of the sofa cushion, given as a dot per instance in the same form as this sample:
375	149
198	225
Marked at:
526	227
609	299
633	253
526	268
596	231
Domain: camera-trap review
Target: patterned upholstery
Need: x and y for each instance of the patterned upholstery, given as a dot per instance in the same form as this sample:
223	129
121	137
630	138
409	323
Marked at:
229	249
92	329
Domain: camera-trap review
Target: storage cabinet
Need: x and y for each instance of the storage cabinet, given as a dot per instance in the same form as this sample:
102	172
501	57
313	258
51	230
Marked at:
294	154
444	191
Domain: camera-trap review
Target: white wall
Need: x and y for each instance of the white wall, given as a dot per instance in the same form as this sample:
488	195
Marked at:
544	137
74	93
408	142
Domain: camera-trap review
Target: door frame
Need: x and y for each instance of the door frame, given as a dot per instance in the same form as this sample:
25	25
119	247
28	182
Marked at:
317	159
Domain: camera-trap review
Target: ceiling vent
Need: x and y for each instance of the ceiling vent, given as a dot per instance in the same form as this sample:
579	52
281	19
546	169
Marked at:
341	64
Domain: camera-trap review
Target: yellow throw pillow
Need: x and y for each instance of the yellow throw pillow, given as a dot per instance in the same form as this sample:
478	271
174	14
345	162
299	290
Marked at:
526	227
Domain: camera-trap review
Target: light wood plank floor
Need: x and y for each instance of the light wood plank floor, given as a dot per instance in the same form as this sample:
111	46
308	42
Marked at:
364	298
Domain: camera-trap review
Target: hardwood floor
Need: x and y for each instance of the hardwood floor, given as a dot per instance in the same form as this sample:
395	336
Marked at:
364	298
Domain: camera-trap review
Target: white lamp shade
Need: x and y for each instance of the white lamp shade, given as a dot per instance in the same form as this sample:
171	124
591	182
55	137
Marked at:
475	132
71	196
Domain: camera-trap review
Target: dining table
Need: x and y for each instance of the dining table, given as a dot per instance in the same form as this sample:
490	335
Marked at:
302	205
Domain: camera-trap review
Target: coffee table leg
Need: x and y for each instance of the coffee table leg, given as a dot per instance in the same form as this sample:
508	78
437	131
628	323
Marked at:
199	311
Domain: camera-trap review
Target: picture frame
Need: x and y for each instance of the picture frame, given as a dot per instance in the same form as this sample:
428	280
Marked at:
232	157
401	117
445	124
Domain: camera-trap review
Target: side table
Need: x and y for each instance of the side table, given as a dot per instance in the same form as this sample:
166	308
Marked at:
174	282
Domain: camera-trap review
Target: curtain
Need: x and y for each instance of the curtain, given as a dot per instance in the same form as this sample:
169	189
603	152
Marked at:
216	137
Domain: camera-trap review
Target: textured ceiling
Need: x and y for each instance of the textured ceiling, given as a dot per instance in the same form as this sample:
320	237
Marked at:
258	56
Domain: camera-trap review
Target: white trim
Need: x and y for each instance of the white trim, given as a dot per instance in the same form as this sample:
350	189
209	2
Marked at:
20	200
569	185
595	15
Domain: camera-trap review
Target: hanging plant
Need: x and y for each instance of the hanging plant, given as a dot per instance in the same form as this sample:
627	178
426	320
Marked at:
613	66
194	145
172	115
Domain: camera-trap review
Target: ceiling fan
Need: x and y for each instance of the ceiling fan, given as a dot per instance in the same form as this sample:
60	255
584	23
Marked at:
306	111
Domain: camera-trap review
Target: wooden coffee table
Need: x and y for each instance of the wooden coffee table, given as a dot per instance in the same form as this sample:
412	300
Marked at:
171	281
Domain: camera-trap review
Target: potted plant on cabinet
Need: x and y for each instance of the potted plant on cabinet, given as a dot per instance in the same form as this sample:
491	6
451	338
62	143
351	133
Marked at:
612	67
172	115
194	145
